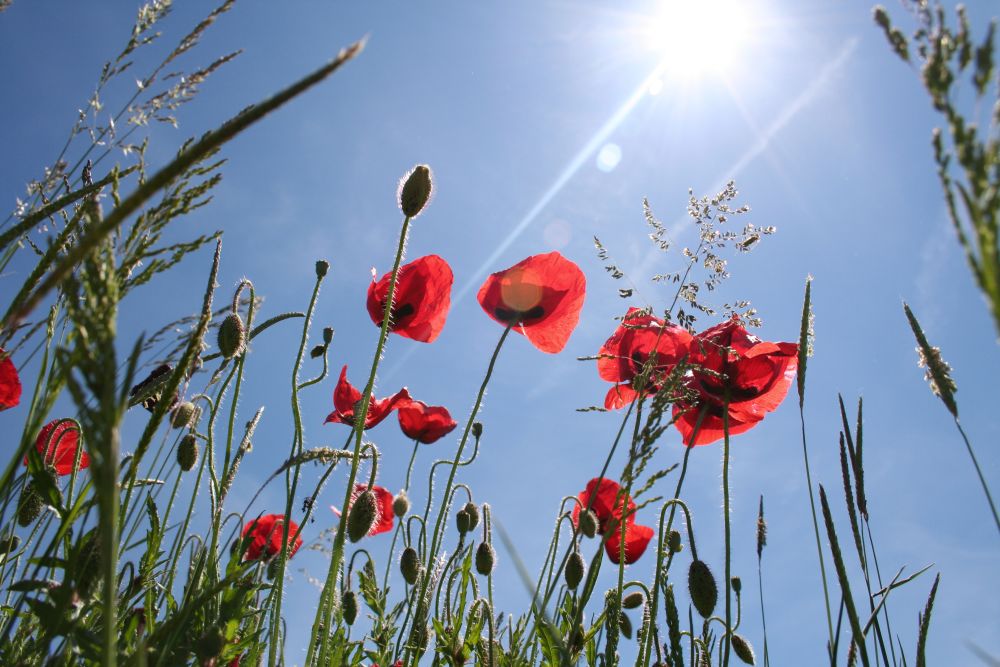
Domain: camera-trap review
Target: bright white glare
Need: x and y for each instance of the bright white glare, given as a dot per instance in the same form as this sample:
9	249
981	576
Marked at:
655	86
609	157
694	37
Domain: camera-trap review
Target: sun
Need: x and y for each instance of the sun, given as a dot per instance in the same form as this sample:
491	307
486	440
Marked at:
697	37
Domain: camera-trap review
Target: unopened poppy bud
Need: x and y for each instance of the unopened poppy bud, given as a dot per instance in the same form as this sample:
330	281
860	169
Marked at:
362	516
477	430
210	644
327	335
400	504
462	521
409	565
322	266
29	505
737	584
485	559
9	544
701	585
588	523
625	625
182	414
350	606
317	351
232	336
742	649
415	190
473	512
187	452
632	600
674	542
575	570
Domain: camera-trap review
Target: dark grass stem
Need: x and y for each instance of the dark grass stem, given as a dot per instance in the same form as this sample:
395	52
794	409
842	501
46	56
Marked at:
979	472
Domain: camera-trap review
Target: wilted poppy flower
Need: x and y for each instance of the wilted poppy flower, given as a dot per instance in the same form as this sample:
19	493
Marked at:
607	506
346	397
541	296
10	383
420	301
623	356
383	505
57	443
756	374
265	533
426	423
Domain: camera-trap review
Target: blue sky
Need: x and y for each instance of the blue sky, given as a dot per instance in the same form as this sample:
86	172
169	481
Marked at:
827	134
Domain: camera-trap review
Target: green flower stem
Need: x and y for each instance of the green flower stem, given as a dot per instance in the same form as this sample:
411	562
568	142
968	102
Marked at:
727	644
982	480
324	614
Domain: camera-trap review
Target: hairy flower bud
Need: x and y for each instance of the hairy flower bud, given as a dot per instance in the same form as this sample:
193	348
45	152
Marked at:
317	351
473	512
182	414
477	430
362	516
232	336
187	452
737	584
327	335
9	544
400	504
674	544
742	649
210	644
462	521
701	585
486	558
322	266
588	523
625	625
29	505
575	570
350	607
632	600
409	565
414	190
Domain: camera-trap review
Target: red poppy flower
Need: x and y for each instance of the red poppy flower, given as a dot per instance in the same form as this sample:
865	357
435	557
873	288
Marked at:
541	295
10	383
426	423
636	540
57	443
265	535
755	373
346	397
383	498
636	339
607	506
421	299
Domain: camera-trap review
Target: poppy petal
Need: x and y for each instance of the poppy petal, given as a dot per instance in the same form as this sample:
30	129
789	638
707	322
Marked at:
422	298
10	383
425	423
637	538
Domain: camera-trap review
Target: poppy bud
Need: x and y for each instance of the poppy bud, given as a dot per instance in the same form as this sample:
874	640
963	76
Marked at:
737	585
477	430
462	521
210	644
29	505
575	570
182	414
625	625
350	607
232	336
362	516
701	585
632	600
9	544
409	565
187	452
322	266
473	512
485	559
415	190
588	523
327	335
317	351
400	504
742	649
